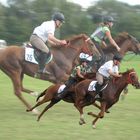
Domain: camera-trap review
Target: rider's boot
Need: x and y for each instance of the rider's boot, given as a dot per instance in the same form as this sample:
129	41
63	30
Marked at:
62	94
98	88
42	62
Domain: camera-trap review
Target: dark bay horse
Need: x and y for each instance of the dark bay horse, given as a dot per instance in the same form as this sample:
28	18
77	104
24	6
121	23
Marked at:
13	64
109	96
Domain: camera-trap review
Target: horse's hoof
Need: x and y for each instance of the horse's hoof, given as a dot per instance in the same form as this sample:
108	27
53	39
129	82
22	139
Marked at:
27	110
35	112
107	111
82	122
36	94
89	113
94	126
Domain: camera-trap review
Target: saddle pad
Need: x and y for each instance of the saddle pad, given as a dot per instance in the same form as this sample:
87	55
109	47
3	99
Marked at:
92	86
61	88
29	55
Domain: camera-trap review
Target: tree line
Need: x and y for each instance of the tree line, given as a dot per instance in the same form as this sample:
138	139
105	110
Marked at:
19	18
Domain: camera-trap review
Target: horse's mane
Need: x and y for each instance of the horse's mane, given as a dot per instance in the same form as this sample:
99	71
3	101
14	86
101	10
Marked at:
123	73
75	37
128	71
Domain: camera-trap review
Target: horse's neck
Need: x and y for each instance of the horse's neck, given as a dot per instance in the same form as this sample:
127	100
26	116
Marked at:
119	85
124	48
71	53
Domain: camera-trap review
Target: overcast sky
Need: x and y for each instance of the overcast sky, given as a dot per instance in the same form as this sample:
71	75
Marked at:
86	3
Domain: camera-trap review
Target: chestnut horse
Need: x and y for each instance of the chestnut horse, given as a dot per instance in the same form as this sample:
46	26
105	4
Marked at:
50	94
109	96
81	97
13	64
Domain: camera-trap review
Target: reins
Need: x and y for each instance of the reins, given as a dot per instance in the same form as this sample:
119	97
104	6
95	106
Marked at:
129	81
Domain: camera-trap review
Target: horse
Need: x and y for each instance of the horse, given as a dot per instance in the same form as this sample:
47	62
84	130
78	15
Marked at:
126	42
109	95
50	94
12	63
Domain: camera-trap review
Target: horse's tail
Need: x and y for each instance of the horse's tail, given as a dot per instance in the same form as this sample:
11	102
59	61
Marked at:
41	94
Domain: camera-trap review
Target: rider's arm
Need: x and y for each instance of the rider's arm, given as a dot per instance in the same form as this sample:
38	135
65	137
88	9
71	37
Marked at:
78	71
112	41
104	44
52	38
114	74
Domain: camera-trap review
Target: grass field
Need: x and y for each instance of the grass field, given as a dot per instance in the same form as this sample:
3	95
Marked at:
61	122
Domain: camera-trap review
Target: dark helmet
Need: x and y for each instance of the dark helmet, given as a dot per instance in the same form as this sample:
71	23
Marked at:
83	60
117	57
108	19
58	16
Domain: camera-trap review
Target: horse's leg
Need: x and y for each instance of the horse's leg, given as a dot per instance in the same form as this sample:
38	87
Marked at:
99	107
125	92
80	109
36	105
100	115
53	102
41	101
33	93
15	76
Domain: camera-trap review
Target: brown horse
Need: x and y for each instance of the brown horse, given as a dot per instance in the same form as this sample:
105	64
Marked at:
109	96
13	64
50	94
82	97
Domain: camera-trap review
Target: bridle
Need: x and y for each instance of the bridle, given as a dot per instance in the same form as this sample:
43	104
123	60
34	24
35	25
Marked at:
129	80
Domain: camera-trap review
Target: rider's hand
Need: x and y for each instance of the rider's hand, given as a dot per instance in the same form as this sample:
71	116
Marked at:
63	42
119	75
118	49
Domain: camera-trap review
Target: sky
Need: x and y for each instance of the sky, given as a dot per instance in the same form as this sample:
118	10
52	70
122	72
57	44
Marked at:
86	3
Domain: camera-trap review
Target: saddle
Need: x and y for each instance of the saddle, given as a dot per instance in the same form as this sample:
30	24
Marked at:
35	55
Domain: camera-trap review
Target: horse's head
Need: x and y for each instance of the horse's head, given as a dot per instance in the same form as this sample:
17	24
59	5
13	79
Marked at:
80	44
128	43
132	78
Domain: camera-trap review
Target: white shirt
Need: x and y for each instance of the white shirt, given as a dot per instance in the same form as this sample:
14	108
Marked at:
42	31
108	66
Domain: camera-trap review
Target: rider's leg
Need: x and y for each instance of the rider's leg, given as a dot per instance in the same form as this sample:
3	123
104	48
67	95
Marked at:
68	84
99	83
44	55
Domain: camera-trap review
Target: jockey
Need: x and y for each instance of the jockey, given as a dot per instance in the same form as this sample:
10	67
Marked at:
45	34
78	72
110	68
102	32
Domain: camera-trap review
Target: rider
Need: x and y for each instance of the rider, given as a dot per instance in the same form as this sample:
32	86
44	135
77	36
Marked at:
78	72
45	34
102	32
110	68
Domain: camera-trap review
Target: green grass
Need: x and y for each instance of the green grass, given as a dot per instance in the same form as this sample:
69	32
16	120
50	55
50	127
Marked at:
61	122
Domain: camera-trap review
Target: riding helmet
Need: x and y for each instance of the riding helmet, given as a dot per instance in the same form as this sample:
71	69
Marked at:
58	16
83	60
117	57
108	19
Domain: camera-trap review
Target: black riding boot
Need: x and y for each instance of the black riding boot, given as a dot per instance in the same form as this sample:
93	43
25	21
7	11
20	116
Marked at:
62	94
98	88
43	58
